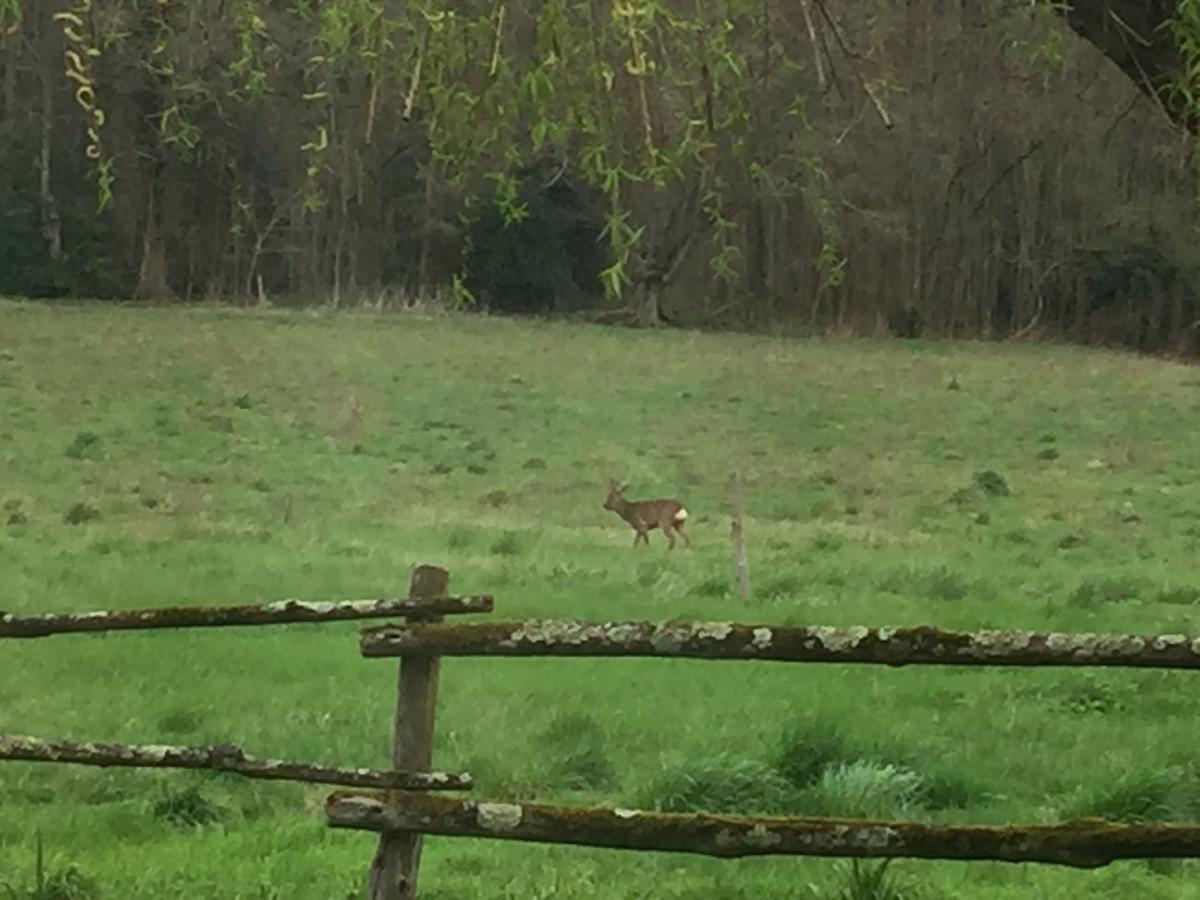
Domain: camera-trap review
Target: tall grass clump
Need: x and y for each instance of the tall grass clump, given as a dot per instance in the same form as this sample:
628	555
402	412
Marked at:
862	880
724	783
1142	795
578	750
807	747
866	789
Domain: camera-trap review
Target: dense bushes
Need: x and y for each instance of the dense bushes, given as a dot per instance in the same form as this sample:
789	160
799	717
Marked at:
547	260
89	266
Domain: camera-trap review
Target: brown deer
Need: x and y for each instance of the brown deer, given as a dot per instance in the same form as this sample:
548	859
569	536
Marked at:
646	515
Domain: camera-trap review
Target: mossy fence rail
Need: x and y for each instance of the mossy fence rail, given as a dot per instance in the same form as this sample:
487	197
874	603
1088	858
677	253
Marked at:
401	809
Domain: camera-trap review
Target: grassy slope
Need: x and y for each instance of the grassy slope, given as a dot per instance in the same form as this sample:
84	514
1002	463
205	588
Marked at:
253	457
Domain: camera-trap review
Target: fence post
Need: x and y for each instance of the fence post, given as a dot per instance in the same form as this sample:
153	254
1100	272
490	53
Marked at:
393	874
737	537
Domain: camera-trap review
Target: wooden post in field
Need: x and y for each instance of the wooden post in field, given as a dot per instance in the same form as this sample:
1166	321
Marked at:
735	534
393	874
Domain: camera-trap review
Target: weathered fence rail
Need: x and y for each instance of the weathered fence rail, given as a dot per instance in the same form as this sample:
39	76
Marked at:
282	613
222	758
1084	843
728	640
393	872
405	811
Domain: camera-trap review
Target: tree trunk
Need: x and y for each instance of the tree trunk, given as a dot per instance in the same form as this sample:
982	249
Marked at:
152	273
428	214
648	314
1132	34
8	53
51	63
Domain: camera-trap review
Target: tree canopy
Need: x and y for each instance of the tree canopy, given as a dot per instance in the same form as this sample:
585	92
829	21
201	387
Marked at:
247	147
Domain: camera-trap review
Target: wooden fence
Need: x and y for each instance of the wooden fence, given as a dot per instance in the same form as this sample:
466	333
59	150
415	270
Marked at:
400	809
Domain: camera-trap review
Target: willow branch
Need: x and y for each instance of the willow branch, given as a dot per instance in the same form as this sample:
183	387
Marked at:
414	84
816	46
498	38
870	91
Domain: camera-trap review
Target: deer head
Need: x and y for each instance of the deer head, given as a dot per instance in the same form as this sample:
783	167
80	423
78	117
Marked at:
614	499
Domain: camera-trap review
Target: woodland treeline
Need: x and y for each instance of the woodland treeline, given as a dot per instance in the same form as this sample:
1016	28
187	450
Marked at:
983	169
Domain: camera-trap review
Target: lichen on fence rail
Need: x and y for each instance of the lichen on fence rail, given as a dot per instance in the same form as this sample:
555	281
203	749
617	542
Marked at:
220	757
282	612
1084	843
729	640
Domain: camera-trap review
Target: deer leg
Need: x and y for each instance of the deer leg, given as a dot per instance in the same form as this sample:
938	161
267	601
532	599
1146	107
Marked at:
683	534
666	530
642	531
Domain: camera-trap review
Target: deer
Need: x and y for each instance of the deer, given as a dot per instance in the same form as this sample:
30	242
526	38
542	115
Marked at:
646	515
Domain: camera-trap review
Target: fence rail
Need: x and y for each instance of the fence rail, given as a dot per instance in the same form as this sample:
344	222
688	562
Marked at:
223	758
281	613
406	812
728	640
1083	843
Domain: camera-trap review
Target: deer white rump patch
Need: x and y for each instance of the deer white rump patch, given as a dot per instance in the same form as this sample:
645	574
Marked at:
681	515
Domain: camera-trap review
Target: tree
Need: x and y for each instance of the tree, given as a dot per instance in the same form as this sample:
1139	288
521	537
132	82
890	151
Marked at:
920	167
1148	40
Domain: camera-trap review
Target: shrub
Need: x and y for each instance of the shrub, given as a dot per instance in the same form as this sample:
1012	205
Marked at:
548	260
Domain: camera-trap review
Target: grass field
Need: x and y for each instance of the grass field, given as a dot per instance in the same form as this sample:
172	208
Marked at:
152	457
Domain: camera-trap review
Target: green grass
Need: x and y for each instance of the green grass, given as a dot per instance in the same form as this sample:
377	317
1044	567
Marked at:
152	457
